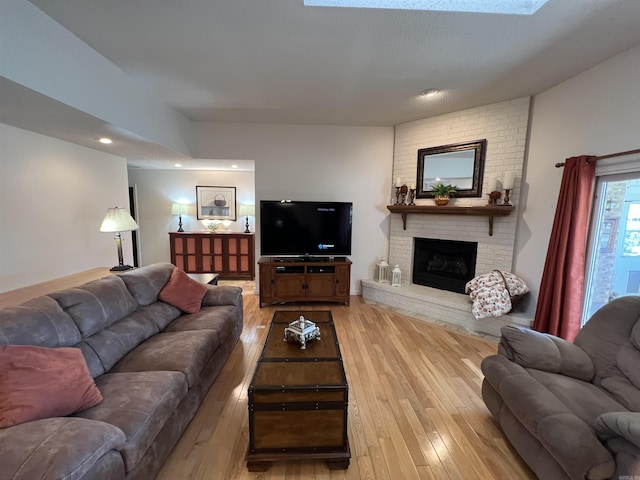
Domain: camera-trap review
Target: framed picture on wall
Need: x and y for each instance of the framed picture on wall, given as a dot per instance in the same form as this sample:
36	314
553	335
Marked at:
216	203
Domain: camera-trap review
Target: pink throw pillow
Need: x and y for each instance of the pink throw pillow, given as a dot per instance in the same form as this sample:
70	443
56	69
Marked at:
183	292
40	382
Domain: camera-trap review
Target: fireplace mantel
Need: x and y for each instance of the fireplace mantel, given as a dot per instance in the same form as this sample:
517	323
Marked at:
490	211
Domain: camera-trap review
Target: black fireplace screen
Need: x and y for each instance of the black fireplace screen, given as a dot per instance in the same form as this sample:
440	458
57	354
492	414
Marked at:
444	264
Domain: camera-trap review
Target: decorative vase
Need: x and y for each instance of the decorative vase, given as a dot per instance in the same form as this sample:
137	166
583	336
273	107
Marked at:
442	199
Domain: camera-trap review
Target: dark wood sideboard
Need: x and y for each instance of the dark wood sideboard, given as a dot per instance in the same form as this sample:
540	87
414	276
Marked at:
230	255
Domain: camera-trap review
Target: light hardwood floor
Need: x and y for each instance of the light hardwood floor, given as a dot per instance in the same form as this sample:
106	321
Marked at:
415	410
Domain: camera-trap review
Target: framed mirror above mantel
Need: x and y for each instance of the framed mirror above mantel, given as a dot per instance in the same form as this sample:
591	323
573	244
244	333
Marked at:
459	164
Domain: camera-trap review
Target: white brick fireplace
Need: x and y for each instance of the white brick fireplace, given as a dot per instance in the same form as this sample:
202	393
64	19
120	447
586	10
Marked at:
504	126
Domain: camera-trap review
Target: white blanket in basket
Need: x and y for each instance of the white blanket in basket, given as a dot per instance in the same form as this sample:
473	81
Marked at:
491	297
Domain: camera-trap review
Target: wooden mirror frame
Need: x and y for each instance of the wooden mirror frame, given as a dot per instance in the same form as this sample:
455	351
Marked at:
479	148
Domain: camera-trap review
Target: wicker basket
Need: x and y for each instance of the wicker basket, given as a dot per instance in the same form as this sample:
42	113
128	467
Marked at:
515	299
219	200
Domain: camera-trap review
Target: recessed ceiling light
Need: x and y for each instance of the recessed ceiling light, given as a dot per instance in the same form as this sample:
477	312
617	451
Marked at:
517	7
429	92
234	166
105	140
177	165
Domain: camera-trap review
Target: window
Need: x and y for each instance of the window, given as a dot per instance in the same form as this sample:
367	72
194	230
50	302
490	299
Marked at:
631	242
613	267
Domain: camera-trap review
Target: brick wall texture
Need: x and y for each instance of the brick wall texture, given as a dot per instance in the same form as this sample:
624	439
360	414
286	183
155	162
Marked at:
504	126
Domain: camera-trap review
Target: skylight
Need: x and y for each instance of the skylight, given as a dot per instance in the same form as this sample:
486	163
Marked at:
515	7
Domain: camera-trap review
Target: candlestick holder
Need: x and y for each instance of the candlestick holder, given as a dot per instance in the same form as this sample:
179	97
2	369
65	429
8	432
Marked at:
494	197
505	202
412	196
397	195
403	194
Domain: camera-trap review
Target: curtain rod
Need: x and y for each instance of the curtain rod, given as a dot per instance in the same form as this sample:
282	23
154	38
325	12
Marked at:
602	157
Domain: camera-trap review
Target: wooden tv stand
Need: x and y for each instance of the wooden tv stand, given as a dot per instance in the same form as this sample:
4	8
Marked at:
284	279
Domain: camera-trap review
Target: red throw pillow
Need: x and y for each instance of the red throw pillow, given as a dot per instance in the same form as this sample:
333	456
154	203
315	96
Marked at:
183	292
40	382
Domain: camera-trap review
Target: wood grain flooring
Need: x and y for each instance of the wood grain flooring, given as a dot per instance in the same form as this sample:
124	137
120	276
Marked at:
415	410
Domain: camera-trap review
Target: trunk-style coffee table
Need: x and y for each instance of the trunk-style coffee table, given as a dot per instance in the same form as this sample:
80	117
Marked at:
298	398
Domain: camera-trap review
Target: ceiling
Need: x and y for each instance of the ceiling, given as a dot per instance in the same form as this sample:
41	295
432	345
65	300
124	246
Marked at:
277	61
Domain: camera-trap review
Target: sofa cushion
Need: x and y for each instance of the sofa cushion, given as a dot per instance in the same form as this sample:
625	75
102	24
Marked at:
183	292
98	304
40	382
94	364
628	362
583	399
625	392
145	283
40	321
606	331
186	352
115	341
139	404
57	448
635	335
161	313
209	318
623	379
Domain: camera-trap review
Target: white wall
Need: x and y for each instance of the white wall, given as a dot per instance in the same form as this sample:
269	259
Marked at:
302	162
42	55
157	190
53	197
594	113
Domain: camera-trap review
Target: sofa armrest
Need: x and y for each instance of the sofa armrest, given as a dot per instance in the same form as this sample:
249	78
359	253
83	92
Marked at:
222	295
542	351
60	447
619	424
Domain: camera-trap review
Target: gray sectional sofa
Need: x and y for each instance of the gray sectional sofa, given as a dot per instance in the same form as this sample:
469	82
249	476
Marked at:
152	363
572	410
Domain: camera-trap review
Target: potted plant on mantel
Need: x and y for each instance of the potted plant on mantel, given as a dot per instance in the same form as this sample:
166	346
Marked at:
442	193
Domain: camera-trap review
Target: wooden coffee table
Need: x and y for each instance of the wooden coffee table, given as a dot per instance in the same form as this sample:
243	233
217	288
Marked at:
298	398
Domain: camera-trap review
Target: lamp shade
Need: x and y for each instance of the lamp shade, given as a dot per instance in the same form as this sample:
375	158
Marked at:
179	209
118	220
247	210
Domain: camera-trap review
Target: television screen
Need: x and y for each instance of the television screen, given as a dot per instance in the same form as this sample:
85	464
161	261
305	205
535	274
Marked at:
305	228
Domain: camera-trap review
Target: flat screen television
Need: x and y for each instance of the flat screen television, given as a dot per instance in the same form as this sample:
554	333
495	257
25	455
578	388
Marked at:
291	228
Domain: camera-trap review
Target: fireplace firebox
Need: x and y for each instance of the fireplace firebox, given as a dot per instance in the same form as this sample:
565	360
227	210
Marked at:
444	264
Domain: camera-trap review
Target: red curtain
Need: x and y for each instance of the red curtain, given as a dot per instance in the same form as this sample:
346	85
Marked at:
559	307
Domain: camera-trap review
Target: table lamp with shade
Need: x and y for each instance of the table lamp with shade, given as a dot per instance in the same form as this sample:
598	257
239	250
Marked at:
247	211
118	220
180	209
